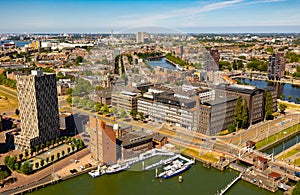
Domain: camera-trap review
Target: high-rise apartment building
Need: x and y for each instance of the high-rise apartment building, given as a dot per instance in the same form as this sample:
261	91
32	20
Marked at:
276	66
140	37
38	105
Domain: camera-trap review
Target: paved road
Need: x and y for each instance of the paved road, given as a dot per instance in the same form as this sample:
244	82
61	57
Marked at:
38	177
262	130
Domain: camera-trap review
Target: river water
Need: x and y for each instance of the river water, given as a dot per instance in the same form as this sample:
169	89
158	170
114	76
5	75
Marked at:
197	180
18	43
281	88
162	63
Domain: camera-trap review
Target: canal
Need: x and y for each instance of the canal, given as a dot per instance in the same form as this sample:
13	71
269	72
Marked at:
283	145
197	180
281	88
162	63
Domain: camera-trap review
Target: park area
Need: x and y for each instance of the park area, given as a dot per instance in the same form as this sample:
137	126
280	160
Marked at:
8	100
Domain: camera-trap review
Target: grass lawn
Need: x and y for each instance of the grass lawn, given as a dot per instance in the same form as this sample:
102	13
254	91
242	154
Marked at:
8	103
289	153
276	136
212	157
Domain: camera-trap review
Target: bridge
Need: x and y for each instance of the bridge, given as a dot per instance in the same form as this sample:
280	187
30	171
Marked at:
230	184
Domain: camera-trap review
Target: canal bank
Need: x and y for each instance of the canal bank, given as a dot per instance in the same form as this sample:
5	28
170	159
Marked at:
281	88
198	180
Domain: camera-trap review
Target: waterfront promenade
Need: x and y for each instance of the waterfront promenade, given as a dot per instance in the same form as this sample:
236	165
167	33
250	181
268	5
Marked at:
26	181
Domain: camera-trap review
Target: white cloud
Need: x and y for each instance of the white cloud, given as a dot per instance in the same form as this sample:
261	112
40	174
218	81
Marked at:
155	19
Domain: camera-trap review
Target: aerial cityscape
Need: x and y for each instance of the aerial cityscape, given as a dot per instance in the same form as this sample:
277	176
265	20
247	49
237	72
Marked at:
150	97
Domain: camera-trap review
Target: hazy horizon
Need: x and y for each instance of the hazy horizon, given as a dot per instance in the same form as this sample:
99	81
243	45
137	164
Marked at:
185	16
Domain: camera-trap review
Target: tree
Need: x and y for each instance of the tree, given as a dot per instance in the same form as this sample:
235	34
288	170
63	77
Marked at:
268	105
123	113
17	166
231	128
290	97
244	114
78	60
282	96
133	113
282	107
57	140
238	112
42	162
42	146
104	109
97	106
63	153
69	100
20	157
69	91
297	99
52	143
47	159
26	168
31	151
234	65
37	164
240	64
11	163
6	159
114	110
58	155
69	150
142	116
26	153
37	148
17	112
47	144
52	157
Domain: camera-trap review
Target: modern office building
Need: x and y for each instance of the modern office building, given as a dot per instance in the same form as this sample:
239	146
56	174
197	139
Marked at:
38	105
139	37
125	100
276	67
102	141
254	97
167	107
216	115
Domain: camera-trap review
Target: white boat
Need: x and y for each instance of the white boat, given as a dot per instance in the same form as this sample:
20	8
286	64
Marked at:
98	172
117	168
172	172
95	173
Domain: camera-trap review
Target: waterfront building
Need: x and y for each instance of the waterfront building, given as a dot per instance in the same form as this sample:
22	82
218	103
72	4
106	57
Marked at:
273	92
254	97
215	115
102	140
276	67
38	105
179	51
133	144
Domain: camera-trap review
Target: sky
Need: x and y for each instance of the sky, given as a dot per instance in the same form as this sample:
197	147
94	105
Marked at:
186	16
